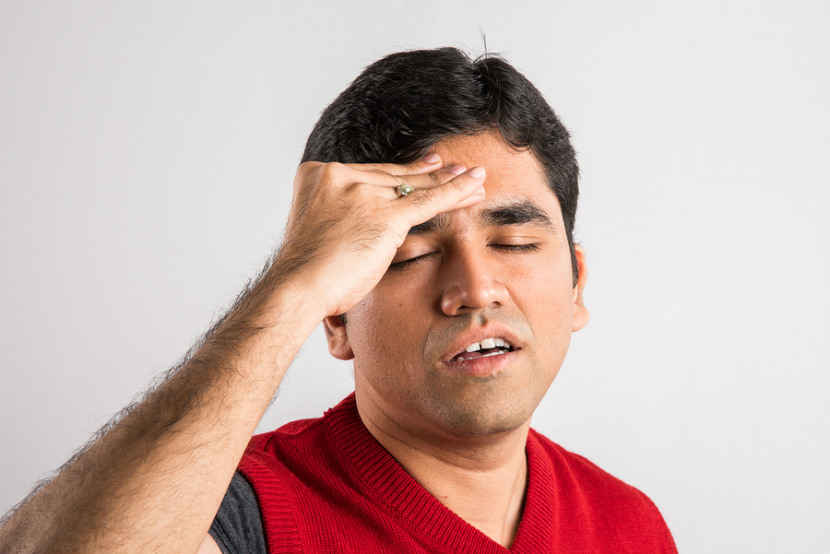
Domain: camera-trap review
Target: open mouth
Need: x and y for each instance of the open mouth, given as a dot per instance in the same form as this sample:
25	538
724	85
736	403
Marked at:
487	347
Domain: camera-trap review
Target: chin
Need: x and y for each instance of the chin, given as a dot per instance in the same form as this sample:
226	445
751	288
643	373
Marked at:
479	419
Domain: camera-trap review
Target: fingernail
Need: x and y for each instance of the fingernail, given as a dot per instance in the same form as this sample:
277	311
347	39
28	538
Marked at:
456	169
431	158
477	172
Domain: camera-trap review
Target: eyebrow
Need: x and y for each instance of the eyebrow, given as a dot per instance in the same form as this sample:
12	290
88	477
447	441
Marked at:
519	212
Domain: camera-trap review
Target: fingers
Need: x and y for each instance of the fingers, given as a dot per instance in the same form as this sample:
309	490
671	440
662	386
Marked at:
430	162
424	175
463	191
446	174
427	180
360	176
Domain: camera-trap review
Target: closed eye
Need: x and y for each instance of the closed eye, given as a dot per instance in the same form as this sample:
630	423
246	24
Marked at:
518	248
530	247
403	264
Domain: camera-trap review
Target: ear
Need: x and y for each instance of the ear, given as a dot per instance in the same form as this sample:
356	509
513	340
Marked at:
581	316
338	338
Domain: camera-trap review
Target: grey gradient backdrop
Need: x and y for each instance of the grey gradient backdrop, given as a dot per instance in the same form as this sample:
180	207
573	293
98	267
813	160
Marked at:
147	151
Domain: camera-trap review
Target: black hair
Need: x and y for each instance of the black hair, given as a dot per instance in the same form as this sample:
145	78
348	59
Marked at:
403	104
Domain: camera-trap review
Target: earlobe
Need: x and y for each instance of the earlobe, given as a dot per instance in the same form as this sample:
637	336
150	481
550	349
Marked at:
338	338
580	314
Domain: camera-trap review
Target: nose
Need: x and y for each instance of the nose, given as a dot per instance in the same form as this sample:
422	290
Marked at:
471	282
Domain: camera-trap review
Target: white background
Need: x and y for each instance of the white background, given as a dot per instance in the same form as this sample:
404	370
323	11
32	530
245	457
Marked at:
147	150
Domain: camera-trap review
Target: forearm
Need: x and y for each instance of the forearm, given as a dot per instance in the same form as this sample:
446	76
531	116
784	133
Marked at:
155	480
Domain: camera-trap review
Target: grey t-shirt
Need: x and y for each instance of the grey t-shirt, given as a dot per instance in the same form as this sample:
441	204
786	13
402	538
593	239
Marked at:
237	527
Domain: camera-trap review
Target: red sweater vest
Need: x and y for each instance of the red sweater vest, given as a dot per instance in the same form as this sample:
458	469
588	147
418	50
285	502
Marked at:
326	485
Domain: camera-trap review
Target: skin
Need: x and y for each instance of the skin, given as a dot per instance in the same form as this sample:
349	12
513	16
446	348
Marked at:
133	489
460	427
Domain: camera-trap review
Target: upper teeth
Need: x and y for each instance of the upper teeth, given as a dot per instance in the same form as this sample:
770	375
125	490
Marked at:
488	343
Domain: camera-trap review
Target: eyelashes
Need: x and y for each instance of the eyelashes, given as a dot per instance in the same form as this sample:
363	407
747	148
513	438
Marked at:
516	248
398	266
530	247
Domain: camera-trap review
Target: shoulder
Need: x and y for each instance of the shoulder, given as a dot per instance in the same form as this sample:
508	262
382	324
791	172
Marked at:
591	494
285	445
578	471
293	431
307	437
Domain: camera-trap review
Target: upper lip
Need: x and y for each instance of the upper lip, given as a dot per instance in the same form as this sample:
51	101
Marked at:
472	336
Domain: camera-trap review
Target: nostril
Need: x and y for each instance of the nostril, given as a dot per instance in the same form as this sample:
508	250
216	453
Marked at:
464	295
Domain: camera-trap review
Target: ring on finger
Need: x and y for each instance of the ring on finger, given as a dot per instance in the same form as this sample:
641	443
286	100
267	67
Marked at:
403	189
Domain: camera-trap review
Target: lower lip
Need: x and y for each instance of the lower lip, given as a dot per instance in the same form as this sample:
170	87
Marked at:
486	366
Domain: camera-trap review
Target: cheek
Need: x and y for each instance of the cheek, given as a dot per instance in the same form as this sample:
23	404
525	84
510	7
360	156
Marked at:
377	328
398	299
545	295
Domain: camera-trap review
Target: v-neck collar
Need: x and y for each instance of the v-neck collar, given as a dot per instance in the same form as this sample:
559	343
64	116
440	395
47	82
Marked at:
386	482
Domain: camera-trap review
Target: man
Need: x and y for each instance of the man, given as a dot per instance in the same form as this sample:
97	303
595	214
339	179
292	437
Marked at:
431	232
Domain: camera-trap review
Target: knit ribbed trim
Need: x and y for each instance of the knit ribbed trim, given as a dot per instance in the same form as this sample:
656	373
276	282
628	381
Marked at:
538	523
279	522
384	481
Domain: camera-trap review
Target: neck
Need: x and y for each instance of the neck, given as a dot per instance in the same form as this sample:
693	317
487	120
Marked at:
482	479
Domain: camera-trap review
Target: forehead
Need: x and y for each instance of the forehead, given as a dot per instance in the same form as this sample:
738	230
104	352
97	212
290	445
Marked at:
512	174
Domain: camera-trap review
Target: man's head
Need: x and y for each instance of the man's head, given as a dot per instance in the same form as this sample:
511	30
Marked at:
405	103
501	278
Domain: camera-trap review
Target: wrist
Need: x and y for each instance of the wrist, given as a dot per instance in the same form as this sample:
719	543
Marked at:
294	301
